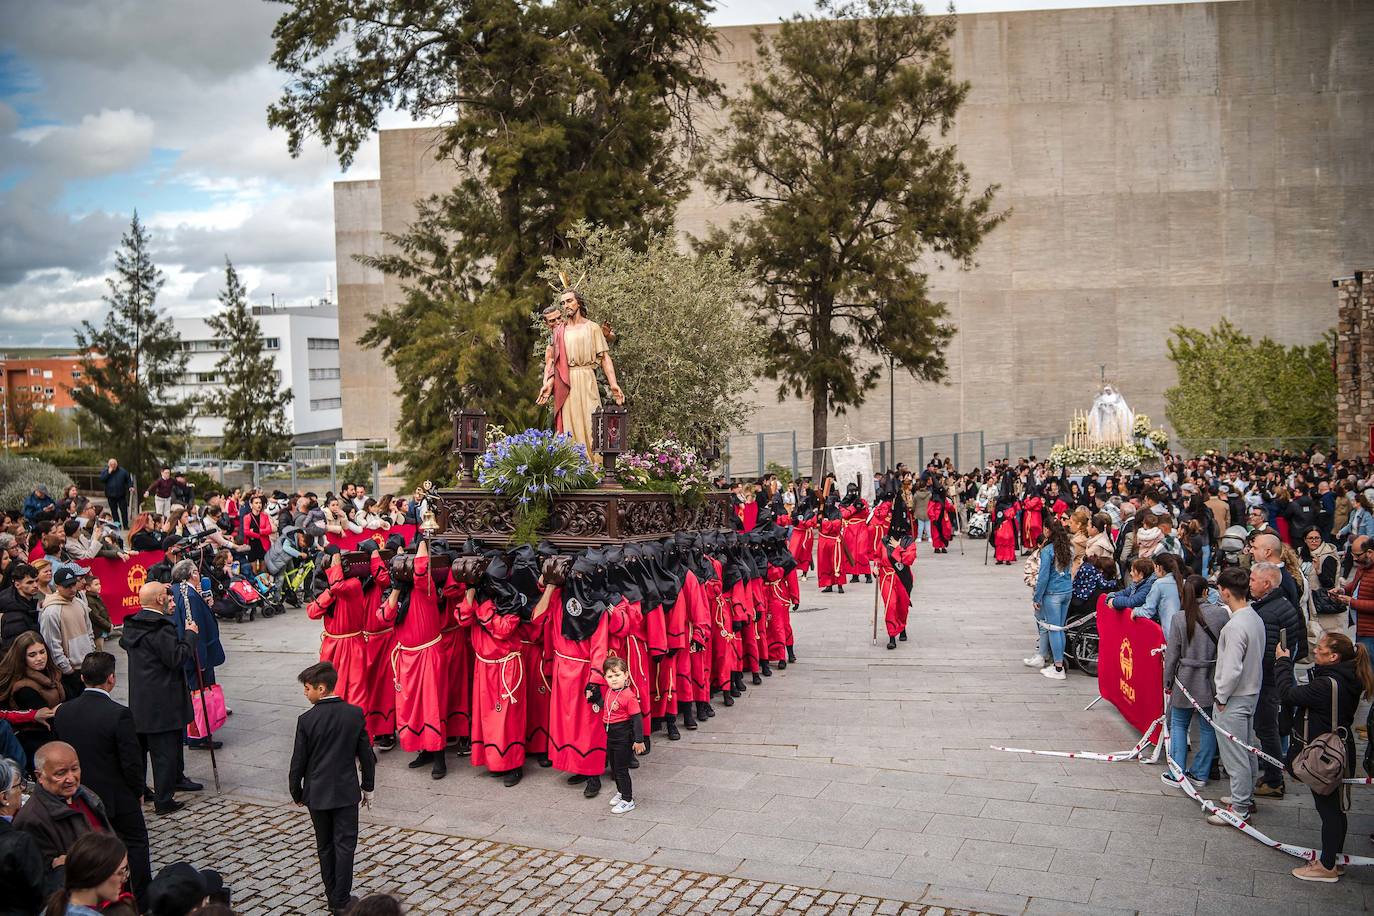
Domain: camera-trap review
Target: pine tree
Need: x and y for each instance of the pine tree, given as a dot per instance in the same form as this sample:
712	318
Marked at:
836	146
251	399
554	112
131	361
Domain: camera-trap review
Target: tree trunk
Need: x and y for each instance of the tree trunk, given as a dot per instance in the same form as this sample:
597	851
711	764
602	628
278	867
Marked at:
820	420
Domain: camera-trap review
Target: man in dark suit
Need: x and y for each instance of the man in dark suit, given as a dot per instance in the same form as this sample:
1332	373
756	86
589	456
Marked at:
331	748
102	731
158	698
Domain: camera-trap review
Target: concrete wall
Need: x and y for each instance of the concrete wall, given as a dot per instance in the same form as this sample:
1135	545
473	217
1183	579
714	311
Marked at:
1164	164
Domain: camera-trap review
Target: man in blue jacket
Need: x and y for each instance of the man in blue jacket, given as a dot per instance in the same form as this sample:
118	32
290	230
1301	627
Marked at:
39	507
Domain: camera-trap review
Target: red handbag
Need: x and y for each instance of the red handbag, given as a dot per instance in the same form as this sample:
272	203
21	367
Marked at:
208	701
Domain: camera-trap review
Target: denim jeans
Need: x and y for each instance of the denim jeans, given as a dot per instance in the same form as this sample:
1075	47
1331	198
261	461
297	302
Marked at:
923	529
1204	753
1238	718
1054	610
1206	560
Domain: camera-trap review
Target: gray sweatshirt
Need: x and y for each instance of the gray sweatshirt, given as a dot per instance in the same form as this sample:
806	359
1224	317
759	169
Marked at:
1192	661
1240	656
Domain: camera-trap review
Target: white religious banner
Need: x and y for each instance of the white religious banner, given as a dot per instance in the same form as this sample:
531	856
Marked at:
853	464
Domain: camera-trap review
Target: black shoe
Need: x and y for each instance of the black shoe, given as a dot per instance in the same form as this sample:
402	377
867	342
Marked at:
544	761
868	578
902	635
513	777
891	642
593	787
791	656
782	665
440	768
673	733
421	759
171	807
188	785
576	779
764	669
853	579
200	744
689	719
755	679
465	746
728	699
385	743
704	710
634	762
841	589
828	588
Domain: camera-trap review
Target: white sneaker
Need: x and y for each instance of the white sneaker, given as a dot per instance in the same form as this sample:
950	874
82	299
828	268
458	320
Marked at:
1053	673
615	799
1035	661
623	806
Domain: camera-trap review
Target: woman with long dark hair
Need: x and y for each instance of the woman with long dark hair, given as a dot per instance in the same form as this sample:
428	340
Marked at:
1053	590
1190	658
30	679
97	867
1340	677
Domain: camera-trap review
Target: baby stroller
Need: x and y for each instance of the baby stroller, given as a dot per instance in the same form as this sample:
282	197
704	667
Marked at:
1231	546
978	522
288	563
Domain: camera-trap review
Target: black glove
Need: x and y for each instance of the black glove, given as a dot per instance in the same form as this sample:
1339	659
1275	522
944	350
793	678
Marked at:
594	696
737	626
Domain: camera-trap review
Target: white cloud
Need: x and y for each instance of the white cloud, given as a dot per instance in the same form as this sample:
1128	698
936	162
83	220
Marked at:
105	143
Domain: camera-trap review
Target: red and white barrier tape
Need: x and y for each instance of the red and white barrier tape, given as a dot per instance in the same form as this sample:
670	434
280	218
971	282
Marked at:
1226	814
1364	781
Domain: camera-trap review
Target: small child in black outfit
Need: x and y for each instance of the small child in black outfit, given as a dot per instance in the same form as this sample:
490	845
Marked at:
332	748
624	727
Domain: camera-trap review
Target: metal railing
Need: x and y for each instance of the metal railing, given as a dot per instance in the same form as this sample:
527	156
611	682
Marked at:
751	454
1226	444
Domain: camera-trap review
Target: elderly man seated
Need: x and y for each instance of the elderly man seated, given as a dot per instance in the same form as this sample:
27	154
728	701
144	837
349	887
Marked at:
61	809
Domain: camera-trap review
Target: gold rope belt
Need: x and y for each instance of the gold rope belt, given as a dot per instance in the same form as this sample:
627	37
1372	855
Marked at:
507	690
328	635
570	658
397	649
368	634
839	551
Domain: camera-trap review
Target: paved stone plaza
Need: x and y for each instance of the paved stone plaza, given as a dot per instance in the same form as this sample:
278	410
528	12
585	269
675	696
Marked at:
857	771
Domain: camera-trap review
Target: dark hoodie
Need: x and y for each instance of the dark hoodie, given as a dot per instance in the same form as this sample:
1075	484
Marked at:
158	697
1311	703
18	615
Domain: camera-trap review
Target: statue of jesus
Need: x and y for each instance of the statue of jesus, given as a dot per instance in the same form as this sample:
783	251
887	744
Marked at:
570	362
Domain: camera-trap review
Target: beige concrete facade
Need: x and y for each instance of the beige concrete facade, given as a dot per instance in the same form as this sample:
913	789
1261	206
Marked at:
1164	164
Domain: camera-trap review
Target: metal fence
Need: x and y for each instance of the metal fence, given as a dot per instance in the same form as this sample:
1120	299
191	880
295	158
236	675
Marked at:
1226	444
1012	449
751	454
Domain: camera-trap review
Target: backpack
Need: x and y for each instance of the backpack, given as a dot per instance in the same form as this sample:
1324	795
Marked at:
1030	573
1320	765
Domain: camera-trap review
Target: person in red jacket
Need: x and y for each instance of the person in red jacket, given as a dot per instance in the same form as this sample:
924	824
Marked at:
1357	592
575	642
379	638
830	549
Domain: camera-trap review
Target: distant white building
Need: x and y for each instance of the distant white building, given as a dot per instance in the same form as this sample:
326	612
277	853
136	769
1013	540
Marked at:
303	342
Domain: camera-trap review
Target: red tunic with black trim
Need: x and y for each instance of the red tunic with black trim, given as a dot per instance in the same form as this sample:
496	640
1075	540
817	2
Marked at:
896	598
664	699
625	636
343	608
940	512
830	553
725	645
1004	539
379	703
779	630
419	665
458	660
1032	521
856	538
577	738
538	688
693	664
498	688
801	542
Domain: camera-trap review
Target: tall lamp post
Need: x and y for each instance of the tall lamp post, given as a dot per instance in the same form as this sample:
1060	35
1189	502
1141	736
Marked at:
891	411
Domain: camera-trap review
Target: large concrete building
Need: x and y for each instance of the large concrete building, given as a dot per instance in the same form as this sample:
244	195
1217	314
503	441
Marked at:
1164	165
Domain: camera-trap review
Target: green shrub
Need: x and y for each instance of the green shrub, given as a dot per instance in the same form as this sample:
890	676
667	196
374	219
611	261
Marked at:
66	457
19	477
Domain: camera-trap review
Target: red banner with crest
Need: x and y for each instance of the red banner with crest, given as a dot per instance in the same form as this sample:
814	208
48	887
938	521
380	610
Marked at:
120	581
1129	675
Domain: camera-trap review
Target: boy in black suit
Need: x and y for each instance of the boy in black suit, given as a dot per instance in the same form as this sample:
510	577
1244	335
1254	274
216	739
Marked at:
102	732
331	748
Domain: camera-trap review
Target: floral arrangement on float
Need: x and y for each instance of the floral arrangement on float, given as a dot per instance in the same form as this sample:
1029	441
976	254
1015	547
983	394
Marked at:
529	467
1123	457
666	466
1158	439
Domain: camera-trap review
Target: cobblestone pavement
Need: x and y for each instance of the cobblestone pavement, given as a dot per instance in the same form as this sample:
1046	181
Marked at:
857	770
266	855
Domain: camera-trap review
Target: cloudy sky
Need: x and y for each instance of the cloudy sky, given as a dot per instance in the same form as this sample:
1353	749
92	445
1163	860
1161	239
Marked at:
107	106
